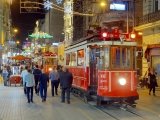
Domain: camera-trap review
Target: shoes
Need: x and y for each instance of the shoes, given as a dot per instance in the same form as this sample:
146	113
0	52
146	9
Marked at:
62	101
68	102
28	102
149	93
52	95
56	93
32	101
44	99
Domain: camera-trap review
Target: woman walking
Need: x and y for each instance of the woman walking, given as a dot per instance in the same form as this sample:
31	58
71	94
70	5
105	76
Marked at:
152	82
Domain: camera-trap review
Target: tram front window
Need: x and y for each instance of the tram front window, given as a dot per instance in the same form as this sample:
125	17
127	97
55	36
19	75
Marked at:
121	57
115	52
126	57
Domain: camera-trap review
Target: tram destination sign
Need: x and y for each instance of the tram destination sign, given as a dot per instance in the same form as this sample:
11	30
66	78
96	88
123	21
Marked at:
115	34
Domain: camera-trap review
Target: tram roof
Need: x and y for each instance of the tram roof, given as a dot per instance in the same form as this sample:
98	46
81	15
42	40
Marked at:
97	40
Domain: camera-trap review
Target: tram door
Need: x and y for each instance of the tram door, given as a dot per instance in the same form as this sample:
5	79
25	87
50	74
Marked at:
94	68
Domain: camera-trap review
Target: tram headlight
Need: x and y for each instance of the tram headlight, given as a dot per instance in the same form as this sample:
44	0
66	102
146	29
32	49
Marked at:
50	69
122	81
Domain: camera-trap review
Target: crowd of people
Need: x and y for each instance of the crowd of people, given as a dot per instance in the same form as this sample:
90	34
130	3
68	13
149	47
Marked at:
33	78
39	80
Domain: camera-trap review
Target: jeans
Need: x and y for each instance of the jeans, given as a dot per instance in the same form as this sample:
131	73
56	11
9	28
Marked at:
67	90
36	89
152	87
43	91
54	85
25	89
5	81
29	89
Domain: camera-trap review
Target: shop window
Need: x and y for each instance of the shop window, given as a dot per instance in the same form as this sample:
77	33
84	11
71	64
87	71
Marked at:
80	58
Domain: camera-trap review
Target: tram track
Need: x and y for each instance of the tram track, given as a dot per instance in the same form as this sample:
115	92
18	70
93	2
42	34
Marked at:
107	111
118	109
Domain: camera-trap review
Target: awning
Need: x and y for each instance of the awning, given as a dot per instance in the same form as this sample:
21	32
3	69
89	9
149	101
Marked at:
150	47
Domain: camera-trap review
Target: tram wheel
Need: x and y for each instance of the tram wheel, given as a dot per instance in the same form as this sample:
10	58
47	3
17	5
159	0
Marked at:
99	102
85	99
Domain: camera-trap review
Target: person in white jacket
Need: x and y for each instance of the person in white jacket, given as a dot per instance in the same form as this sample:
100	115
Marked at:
30	83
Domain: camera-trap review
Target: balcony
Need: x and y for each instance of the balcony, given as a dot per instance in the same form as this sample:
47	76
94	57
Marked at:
115	16
149	18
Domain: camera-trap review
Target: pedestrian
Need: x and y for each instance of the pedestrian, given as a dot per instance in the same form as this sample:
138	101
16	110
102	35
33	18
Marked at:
145	78
24	72
53	76
152	82
60	71
30	83
36	73
5	76
43	82
66	80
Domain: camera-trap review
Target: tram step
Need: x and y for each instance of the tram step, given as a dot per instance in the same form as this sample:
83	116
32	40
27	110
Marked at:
94	98
93	103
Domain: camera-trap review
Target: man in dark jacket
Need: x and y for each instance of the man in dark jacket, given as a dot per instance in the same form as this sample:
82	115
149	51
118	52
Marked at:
66	80
36	73
43	83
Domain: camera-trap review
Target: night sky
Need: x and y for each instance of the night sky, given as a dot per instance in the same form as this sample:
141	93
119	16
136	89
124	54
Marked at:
24	22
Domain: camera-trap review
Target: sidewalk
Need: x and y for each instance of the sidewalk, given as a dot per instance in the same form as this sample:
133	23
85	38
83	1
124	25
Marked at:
14	106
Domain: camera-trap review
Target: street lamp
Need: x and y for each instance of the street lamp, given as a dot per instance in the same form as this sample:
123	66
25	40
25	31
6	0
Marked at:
103	3
15	30
17	42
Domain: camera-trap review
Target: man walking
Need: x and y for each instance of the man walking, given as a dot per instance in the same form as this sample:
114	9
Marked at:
43	82
36	73
66	80
30	83
53	75
24	72
4	75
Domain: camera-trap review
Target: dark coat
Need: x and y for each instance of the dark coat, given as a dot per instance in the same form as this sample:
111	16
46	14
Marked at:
152	80
36	74
60	72
43	79
66	79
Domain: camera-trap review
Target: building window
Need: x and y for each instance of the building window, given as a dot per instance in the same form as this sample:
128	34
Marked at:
156	5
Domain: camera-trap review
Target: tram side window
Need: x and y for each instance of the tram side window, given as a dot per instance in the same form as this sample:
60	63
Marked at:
134	58
115	52
68	58
80	57
73	61
106	58
126	55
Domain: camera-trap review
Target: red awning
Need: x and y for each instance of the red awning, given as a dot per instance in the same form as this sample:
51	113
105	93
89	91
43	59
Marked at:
49	54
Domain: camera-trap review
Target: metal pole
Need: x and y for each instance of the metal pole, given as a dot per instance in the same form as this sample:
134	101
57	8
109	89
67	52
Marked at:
133	14
127	6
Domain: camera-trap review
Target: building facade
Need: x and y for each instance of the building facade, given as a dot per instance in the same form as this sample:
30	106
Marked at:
68	22
5	28
149	24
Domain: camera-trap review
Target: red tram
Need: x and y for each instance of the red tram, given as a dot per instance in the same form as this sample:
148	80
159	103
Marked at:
49	61
104	70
